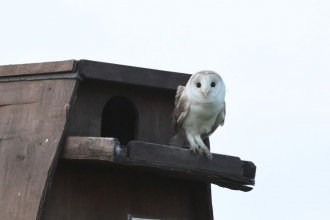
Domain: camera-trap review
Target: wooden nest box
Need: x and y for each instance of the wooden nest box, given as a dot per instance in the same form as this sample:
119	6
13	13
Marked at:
83	140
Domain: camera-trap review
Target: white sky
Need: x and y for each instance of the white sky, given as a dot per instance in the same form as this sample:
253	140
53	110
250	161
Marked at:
273	55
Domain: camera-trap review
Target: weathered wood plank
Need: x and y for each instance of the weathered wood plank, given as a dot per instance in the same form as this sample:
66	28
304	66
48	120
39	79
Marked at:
182	158
90	148
85	190
132	75
222	170
32	120
37	68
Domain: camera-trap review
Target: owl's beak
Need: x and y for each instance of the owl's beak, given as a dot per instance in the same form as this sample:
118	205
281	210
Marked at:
205	92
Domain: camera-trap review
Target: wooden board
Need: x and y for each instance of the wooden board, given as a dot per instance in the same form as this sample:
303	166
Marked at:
85	190
37	68
32	120
132	75
225	171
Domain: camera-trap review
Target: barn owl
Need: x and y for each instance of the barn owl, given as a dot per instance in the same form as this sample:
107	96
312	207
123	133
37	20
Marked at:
199	109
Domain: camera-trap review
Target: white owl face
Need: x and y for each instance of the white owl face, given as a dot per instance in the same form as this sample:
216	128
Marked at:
206	86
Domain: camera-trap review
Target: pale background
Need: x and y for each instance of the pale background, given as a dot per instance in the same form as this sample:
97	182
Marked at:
273	55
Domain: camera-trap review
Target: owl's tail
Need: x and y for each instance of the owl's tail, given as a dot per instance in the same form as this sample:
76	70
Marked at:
178	141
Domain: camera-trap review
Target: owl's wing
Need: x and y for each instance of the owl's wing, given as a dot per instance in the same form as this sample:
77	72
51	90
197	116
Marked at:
219	121
178	94
222	115
181	107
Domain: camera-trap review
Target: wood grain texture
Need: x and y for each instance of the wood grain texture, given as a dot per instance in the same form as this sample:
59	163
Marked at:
37	68
85	190
132	75
90	148
32	119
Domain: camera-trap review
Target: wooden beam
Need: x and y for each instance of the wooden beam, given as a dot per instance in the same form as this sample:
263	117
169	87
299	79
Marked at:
90	148
225	171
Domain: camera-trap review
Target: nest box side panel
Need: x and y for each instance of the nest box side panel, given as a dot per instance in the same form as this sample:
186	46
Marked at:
33	116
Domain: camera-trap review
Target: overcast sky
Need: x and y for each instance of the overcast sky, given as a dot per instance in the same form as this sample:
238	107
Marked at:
274	57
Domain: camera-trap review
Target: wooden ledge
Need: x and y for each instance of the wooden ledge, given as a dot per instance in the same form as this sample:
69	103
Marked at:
225	171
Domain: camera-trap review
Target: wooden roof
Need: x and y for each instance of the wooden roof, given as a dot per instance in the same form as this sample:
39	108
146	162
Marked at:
37	68
87	69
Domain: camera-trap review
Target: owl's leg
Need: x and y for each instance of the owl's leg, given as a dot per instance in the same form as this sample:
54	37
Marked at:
192	145
200	142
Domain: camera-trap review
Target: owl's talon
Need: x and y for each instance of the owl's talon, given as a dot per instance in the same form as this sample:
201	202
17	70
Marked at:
209	156
199	150
207	152
194	149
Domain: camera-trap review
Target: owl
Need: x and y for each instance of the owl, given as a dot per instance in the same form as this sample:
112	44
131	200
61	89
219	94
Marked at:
199	110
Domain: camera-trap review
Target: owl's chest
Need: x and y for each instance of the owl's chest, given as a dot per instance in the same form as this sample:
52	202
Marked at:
204	111
200	119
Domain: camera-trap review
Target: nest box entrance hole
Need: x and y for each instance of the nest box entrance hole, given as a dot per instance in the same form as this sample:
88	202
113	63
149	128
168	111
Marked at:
119	120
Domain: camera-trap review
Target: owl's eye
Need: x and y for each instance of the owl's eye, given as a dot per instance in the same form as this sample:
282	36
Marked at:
198	85
212	84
